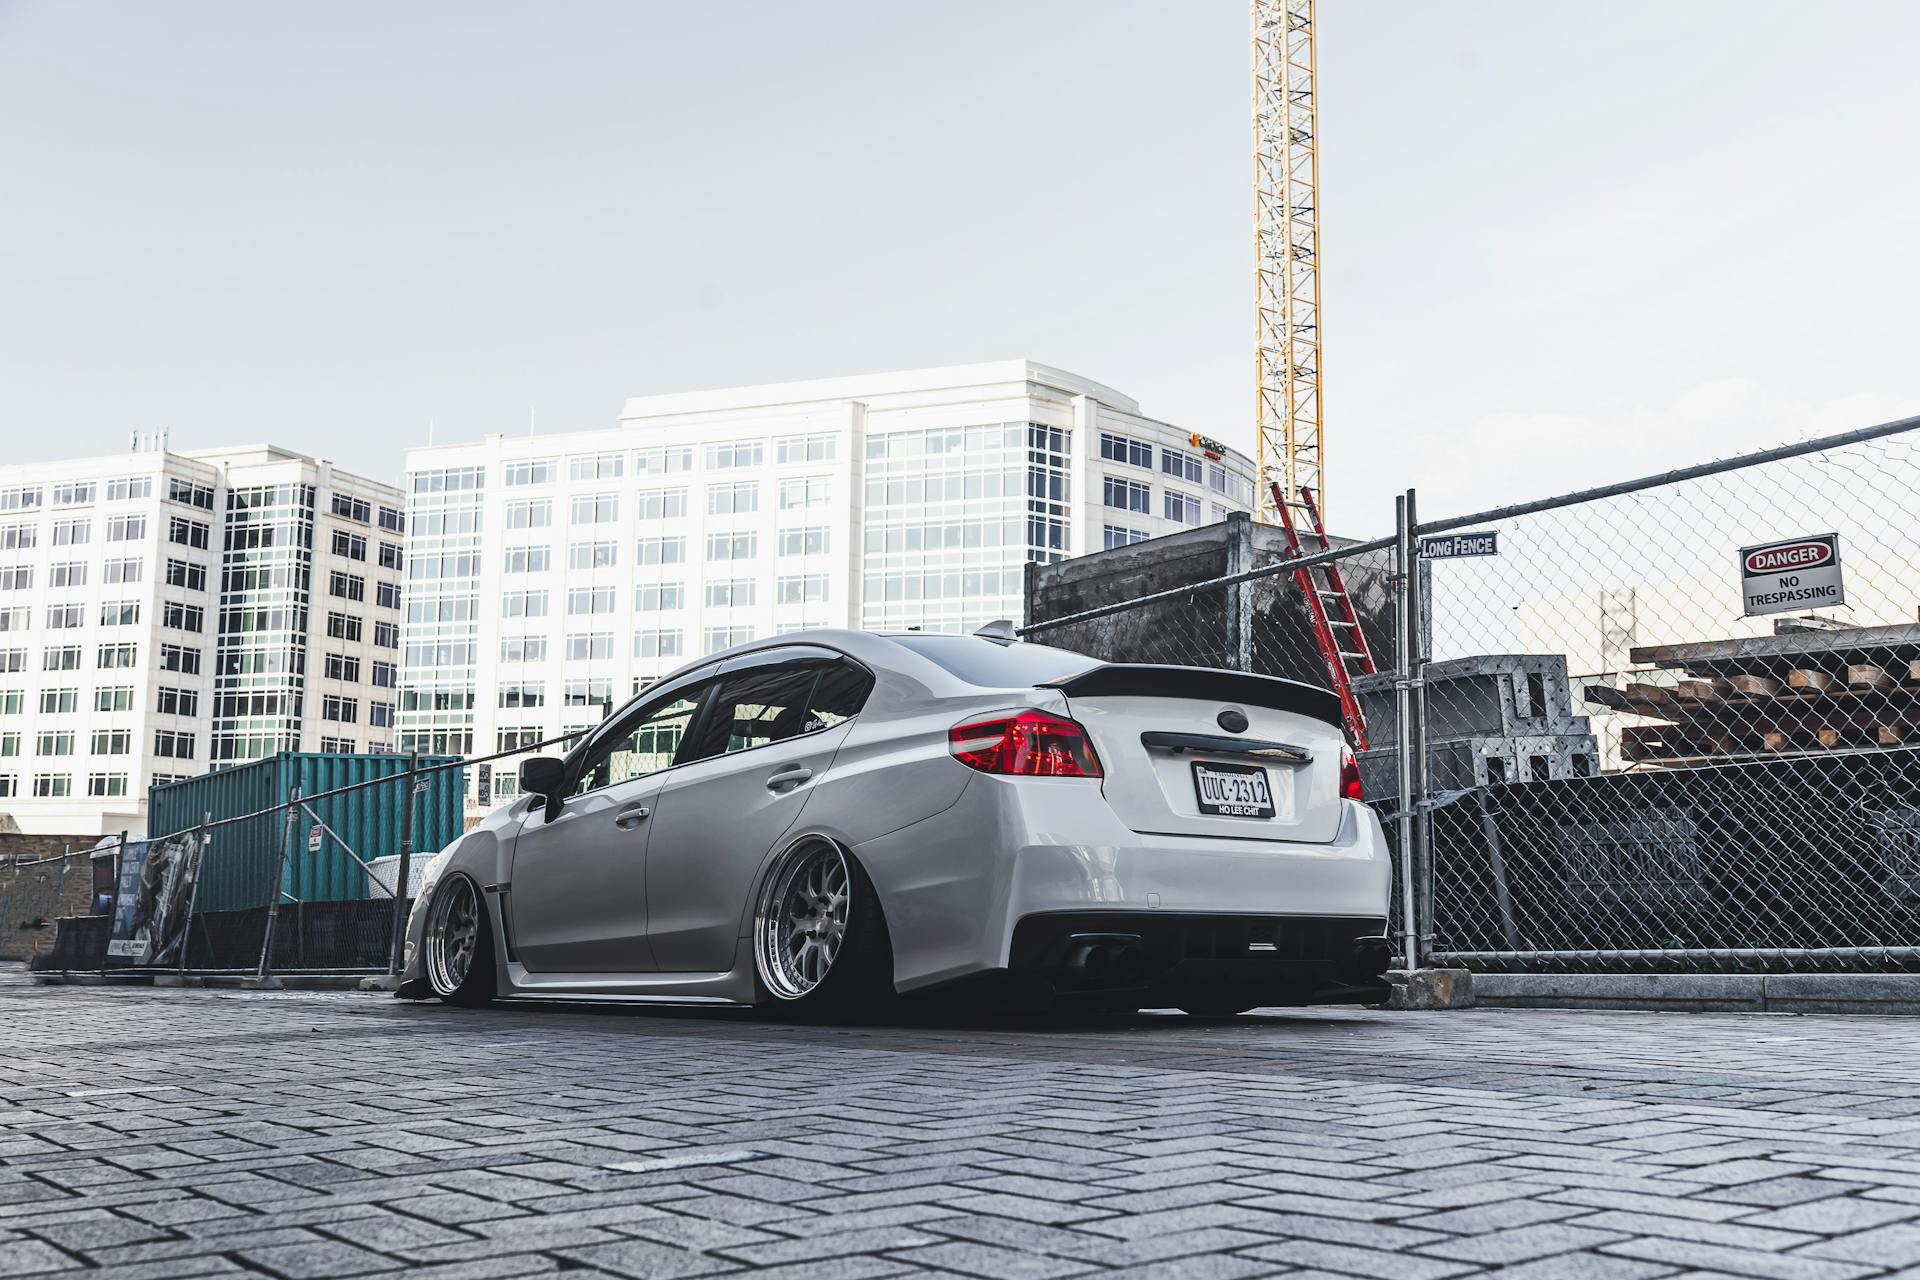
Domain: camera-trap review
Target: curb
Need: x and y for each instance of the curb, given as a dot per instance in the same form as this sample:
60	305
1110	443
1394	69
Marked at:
1880	993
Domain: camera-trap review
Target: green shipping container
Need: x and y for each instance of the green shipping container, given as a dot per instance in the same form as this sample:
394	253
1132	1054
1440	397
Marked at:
238	868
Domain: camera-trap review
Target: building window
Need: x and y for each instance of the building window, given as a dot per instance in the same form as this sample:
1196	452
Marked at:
604	466
358	510
194	495
587	693
106	784
659	597
61	658
386	635
1183	466
532	514
387	595
391	556
343	710
590	600
523	695
116	656
52	786
341	667
173	744
516	739
16	578
120	613
803	542
351	545
523	604
745	453
805	491
594	508
449	480
175	657
592	555
18	618
664	461
343	626
734	593
806	449
188	533
805	589
129	489
523	649
112	742
1181	508
718	638
731	546
23	499
532	471
71	574
180	573
346	585
733	499
662	551
63	617
118	697
19	537
57	742
126	528
9	744
393	521
72	533
1127	495
13	659
596	646
177	702
54	702
72	495
656	644
528	560
1121	536
1125	449
385	675
661	504
183	617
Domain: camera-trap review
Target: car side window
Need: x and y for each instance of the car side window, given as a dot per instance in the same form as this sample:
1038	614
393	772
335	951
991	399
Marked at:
838	695
647	748
754	708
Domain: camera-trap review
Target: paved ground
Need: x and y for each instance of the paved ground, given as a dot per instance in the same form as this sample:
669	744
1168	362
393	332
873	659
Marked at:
157	1134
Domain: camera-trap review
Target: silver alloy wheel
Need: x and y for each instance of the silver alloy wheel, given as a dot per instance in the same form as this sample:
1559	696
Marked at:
453	936
802	921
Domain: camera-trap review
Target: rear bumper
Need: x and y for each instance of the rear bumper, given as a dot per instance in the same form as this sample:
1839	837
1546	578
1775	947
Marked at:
957	888
1159	960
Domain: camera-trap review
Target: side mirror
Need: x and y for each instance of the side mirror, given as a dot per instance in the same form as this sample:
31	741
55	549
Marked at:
543	776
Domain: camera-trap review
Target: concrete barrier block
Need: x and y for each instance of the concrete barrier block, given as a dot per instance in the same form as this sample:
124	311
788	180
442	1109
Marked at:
1844	993
1430	988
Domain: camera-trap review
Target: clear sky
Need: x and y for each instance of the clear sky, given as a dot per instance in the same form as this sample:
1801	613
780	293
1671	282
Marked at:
1563	243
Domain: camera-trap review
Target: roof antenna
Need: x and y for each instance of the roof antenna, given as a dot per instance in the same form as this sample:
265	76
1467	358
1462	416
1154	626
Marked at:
1000	631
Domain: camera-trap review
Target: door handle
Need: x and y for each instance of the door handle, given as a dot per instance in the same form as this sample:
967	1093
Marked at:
628	819
788	778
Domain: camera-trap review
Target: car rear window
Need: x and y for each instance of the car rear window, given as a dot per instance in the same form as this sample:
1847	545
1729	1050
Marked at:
997	666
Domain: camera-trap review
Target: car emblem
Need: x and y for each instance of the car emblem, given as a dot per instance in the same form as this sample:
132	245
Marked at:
1232	720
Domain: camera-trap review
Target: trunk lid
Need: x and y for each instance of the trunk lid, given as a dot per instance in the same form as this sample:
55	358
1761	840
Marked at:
1177	761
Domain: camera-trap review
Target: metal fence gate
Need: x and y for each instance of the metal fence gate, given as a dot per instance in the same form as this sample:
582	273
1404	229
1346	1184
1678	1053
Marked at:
1667	724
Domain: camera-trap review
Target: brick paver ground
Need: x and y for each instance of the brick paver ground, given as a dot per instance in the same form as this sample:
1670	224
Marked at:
161	1134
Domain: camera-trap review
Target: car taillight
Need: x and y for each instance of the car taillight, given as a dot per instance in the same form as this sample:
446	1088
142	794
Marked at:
1032	744
1349	776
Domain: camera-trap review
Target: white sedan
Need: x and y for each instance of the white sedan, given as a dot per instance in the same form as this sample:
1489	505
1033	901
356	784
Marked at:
817	821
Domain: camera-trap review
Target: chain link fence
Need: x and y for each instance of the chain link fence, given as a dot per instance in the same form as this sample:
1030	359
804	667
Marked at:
1668	724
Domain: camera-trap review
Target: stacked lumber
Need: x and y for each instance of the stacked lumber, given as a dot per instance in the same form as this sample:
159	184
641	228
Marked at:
1715	715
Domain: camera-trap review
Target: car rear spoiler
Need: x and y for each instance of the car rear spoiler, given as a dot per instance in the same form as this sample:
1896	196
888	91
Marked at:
1208	684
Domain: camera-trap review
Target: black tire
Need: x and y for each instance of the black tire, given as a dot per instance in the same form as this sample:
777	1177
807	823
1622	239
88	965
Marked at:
859	981
474	983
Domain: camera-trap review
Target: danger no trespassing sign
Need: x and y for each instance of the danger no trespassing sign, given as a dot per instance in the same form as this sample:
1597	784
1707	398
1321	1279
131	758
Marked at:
1799	573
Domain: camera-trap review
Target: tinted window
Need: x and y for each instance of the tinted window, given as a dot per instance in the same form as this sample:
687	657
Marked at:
755	708
647	747
838	695
996	666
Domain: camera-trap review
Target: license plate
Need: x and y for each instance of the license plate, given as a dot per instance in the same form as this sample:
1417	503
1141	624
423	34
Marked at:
1232	791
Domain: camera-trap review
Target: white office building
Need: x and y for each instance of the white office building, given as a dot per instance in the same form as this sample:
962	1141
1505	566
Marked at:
550	576
164	613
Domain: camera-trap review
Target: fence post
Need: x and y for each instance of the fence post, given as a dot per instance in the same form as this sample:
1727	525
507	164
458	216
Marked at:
1403	553
279	875
113	908
193	890
1420	851
1240	596
403	880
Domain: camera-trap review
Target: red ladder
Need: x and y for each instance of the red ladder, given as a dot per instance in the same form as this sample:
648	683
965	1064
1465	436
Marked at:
1336	630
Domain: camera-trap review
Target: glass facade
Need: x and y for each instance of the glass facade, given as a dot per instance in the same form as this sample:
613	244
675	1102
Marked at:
260	658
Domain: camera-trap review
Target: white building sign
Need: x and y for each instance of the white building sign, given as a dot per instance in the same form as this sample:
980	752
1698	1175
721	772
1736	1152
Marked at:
1448	546
1799	573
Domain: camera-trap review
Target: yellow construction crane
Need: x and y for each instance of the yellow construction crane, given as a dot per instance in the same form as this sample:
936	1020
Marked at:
1286	214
